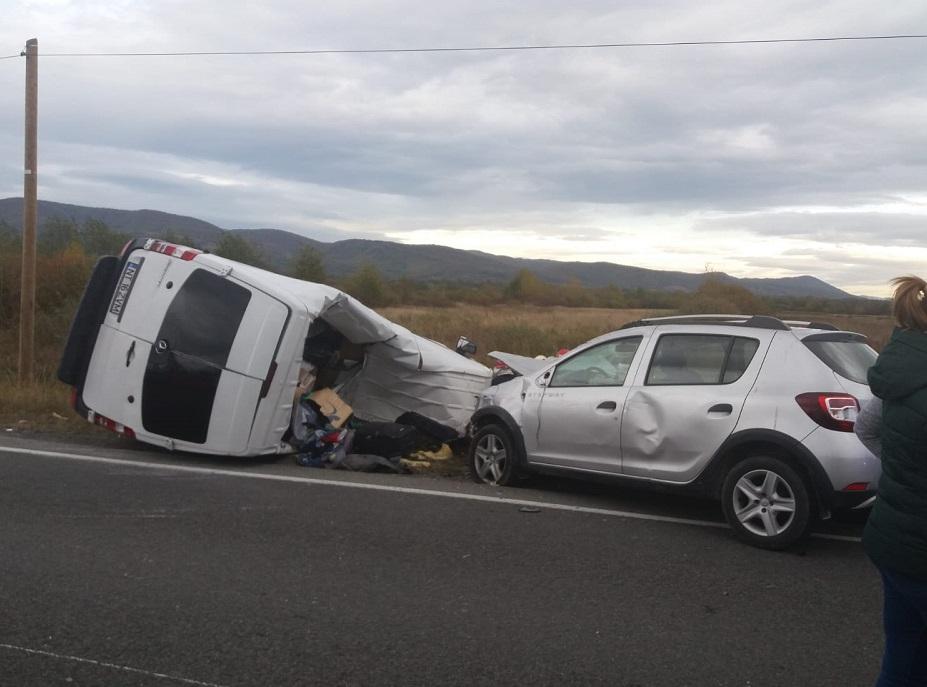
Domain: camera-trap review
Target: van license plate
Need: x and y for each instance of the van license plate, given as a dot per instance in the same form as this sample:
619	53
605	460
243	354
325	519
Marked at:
125	287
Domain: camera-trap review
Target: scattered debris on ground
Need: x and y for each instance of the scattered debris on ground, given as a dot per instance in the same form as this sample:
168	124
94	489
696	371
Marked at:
326	434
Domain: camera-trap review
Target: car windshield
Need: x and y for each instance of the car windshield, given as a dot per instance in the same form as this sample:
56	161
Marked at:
850	358
604	365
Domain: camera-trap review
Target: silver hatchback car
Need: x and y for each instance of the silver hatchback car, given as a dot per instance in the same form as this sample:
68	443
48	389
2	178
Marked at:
754	411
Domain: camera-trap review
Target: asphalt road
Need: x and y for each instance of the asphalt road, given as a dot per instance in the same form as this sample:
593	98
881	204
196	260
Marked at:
153	569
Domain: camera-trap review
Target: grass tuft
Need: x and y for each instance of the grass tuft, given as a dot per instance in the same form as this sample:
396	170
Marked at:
43	406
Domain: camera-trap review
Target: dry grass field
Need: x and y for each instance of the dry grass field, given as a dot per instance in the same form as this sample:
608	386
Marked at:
522	329
536	330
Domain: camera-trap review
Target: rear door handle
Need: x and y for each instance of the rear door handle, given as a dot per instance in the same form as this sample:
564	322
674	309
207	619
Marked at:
607	406
721	409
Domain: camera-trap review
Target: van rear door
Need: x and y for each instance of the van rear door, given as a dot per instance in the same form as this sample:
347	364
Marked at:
204	345
157	291
144	291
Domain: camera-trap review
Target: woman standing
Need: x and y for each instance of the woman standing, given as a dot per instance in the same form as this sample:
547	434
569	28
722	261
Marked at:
896	533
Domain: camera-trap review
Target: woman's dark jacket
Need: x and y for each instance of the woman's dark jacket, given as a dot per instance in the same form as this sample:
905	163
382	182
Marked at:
896	534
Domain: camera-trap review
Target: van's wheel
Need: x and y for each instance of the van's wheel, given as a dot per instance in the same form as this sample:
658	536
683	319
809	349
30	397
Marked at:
767	503
491	459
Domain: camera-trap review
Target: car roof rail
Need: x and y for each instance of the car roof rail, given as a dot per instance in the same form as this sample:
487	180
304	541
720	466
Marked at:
756	321
826	326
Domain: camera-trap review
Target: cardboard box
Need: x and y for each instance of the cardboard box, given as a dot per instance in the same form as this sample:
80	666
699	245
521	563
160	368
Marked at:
307	377
336	410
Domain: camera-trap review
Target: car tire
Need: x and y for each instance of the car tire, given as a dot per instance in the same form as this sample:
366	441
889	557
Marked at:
767	503
492	458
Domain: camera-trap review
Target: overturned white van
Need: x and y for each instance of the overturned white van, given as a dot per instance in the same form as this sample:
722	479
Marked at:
194	352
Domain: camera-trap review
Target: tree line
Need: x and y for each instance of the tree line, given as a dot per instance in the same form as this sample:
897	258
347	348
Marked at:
67	251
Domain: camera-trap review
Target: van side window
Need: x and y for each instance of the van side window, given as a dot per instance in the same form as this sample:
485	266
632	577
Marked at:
604	365
700	359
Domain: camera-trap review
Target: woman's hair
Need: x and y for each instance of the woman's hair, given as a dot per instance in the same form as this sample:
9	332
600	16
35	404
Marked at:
909	305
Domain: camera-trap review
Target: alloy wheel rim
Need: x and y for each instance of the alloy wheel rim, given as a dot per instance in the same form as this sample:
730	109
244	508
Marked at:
764	503
490	457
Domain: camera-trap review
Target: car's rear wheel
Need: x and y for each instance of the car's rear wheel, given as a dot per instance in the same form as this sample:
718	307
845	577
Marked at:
767	502
491	458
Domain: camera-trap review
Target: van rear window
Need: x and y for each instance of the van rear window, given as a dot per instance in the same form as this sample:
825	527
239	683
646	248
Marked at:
846	354
204	317
178	395
187	358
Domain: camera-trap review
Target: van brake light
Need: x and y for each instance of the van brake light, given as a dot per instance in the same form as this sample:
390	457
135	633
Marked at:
111	425
830	410
182	252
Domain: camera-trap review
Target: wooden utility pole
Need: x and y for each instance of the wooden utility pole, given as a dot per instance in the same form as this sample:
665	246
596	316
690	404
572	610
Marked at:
30	200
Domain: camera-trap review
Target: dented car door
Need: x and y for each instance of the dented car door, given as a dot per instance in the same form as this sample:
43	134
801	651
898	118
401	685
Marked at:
579	416
686	401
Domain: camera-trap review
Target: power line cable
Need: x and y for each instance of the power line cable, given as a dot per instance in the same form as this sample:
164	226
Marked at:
572	46
486	48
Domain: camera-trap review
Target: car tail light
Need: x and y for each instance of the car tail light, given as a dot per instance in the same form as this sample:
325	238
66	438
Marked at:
111	425
830	410
857	486
166	248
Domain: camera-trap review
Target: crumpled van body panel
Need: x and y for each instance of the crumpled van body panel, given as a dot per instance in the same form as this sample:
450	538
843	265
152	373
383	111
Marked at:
401	371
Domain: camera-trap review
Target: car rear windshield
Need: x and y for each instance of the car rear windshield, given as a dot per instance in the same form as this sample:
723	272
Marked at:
846	354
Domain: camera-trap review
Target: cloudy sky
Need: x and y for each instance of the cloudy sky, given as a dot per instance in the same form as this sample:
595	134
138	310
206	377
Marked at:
757	160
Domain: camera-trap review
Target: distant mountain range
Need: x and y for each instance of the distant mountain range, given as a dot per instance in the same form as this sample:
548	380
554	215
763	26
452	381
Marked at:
416	262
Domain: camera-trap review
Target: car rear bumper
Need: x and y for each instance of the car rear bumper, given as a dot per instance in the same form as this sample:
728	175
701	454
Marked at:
852	470
868	503
853	500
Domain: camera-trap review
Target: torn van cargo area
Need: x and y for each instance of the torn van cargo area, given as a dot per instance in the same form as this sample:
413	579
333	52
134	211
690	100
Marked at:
195	352
326	434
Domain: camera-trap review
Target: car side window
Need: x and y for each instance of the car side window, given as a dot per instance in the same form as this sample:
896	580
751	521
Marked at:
700	359
742	352
604	365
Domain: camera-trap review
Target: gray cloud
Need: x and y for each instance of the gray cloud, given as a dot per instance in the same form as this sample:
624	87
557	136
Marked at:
876	229
863	275
539	141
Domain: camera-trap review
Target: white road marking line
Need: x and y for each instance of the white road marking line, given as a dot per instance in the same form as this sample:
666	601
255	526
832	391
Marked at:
104	664
385	487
